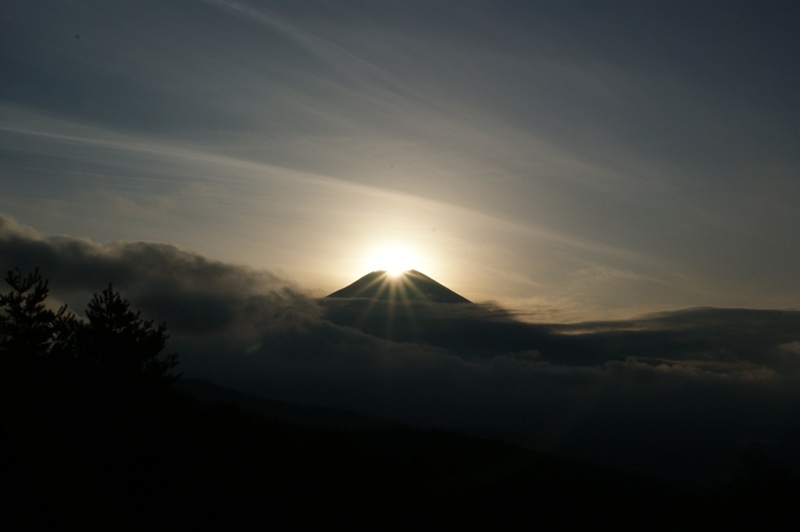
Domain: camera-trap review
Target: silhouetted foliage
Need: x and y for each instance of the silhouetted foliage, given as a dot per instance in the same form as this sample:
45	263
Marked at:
31	335
114	345
81	398
118	344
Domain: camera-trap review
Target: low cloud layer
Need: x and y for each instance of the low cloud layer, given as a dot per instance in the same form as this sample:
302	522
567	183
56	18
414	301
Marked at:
679	392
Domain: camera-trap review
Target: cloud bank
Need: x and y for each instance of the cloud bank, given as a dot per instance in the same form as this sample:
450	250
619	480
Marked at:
679	393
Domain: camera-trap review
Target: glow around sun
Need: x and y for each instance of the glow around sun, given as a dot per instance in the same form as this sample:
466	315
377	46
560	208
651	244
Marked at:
394	259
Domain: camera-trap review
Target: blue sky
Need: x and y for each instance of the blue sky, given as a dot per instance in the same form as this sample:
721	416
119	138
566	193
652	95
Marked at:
568	159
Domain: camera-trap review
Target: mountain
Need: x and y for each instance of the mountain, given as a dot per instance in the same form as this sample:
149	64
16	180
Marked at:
412	307
407	286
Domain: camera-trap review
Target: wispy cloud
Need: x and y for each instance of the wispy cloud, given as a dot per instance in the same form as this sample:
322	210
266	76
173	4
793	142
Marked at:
532	151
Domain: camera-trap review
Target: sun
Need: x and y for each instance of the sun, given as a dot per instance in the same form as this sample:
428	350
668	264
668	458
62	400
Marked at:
394	259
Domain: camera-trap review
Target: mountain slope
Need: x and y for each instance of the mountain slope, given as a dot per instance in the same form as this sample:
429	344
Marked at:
412	307
407	286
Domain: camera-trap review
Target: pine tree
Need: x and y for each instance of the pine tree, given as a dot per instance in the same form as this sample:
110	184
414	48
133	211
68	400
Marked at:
121	346
114	347
30	333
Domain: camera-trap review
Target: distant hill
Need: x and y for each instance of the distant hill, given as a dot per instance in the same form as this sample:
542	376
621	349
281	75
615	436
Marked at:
407	286
315	417
333	457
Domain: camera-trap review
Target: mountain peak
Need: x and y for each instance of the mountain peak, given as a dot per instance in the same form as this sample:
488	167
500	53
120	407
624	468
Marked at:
410	285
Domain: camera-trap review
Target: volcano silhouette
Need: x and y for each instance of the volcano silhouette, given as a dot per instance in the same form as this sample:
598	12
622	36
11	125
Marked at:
412	307
410	285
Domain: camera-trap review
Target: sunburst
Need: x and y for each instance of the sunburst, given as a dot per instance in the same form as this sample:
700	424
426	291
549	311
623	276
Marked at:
394	259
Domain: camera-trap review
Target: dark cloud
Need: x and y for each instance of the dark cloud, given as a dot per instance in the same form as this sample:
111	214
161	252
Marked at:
184	288
716	339
677	393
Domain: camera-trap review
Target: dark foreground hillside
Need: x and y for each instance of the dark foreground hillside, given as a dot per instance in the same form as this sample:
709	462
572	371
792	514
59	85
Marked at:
96	431
170	458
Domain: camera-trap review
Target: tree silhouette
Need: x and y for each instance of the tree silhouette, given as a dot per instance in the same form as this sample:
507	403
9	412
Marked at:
119	345
30	332
82	398
114	346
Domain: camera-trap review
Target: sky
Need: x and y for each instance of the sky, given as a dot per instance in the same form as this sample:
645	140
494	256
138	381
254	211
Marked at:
570	160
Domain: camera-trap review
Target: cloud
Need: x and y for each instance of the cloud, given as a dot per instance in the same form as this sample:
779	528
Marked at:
687	386
185	288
